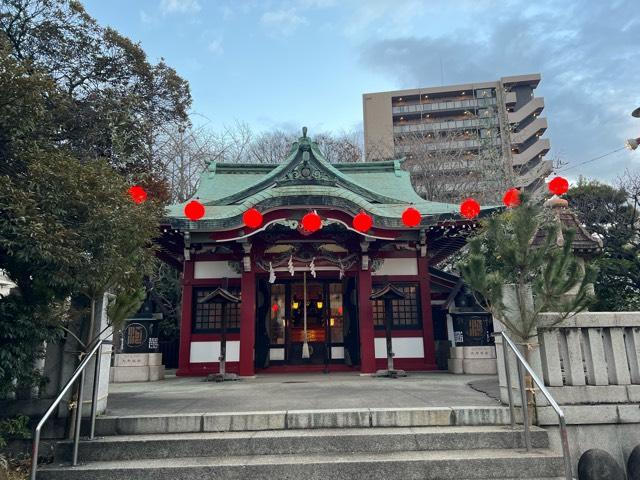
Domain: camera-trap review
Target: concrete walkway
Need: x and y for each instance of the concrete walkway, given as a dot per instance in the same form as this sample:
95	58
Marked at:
271	392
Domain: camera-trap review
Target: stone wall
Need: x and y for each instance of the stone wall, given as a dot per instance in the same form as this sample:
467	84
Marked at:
590	364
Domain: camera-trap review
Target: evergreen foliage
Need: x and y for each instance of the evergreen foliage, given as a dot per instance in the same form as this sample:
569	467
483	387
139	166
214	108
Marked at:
504	254
79	108
613	213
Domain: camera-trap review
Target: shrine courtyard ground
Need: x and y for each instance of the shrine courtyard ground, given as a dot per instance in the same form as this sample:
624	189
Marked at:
317	391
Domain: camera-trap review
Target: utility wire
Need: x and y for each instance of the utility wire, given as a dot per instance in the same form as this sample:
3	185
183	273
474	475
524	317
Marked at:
591	160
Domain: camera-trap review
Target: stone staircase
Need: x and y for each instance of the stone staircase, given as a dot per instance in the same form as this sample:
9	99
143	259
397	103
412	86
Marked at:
412	443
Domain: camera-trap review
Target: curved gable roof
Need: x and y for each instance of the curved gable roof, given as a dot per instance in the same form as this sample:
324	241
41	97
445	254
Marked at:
305	177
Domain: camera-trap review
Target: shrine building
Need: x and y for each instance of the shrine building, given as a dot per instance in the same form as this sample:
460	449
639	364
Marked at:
285	240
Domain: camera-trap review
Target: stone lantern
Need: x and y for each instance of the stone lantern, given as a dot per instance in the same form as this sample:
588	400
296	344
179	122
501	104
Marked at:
224	298
585	245
388	294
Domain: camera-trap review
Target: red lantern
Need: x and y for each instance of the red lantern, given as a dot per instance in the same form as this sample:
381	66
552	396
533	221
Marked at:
362	222
137	194
558	186
311	222
470	208
194	210
511	198
411	217
252	218
275	308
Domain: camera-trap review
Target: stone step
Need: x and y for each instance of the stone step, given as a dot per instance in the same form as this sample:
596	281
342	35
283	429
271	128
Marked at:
287	442
301	419
424	465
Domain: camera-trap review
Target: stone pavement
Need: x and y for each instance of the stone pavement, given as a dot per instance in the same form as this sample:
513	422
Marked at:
271	392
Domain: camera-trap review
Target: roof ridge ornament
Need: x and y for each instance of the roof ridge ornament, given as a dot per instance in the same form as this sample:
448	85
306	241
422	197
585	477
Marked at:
304	132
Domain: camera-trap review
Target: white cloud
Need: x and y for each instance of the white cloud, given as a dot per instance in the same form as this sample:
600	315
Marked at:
215	46
179	6
146	18
282	22
590	68
227	12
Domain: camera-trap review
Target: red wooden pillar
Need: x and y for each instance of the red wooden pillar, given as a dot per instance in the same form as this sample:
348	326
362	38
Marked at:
365	321
427	319
247	324
186	321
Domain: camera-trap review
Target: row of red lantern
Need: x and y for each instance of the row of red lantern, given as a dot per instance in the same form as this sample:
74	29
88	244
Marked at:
362	222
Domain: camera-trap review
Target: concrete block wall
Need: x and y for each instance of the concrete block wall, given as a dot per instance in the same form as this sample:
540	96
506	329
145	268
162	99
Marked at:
473	360
137	367
590	363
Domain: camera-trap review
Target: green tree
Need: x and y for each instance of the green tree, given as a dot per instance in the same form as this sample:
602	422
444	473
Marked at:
67	226
65	229
114	100
518	278
611	212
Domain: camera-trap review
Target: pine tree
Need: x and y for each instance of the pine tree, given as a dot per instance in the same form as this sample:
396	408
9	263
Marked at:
518	279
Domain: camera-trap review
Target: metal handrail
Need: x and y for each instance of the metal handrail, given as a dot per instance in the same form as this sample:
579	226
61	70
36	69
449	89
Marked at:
522	363
79	372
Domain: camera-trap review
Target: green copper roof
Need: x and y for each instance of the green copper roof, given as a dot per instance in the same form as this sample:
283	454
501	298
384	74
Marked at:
305	179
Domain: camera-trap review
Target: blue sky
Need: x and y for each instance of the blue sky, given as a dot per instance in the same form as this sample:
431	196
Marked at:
284	64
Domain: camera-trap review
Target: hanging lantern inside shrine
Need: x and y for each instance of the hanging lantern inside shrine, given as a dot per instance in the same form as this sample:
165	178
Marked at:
137	194
311	222
511	198
411	217
362	222
469	208
559	186
252	218
194	210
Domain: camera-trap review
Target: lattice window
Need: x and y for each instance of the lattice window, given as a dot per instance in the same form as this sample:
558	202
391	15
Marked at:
406	312
208	316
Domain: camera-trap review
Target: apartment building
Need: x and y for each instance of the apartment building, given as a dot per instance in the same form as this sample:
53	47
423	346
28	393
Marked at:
477	137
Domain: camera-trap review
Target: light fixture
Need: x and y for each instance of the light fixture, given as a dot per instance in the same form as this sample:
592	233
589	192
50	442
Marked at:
295	305
252	218
558	186
411	217
332	322
362	221
137	194
470	208
311	222
194	210
511	198
319	304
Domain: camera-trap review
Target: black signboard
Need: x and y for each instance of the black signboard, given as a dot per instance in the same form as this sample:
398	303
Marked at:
472	329
140	335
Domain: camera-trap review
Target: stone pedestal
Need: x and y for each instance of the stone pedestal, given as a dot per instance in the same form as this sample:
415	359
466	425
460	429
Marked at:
473	360
102	322
137	367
